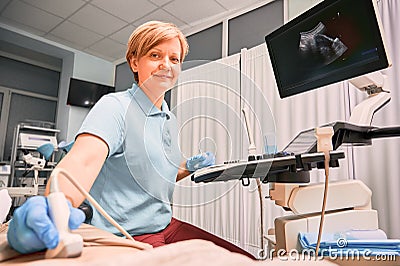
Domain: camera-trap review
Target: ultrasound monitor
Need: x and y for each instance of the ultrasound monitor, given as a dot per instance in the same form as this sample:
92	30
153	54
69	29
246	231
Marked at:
333	41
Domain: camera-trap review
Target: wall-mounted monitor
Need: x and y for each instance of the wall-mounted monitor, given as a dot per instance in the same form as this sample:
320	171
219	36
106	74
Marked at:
333	41
85	93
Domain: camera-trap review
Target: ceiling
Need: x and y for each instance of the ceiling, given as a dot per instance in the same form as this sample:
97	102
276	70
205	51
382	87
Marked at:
102	27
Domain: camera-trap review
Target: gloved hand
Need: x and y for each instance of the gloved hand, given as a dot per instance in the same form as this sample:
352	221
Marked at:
31	228
199	161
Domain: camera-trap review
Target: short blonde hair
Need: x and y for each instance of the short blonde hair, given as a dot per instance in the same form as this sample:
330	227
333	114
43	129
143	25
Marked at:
150	34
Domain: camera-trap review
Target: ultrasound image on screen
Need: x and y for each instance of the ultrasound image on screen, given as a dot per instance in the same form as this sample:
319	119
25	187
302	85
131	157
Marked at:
318	48
319	58
336	40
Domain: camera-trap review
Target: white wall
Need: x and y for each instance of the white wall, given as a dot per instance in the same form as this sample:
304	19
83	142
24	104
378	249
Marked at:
90	68
93	69
296	7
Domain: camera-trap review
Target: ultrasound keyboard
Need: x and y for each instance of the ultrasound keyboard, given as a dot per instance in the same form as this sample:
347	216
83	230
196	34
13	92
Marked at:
286	168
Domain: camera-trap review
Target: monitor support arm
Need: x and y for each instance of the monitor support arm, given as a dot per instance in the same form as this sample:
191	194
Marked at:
371	83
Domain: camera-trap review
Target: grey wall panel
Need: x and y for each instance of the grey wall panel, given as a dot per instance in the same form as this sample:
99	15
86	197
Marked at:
206	44
249	30
18	75
123	77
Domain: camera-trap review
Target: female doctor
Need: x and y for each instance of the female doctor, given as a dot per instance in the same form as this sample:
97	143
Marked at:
126	154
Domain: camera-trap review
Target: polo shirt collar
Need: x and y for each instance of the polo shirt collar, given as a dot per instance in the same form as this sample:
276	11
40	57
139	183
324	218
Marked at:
148	108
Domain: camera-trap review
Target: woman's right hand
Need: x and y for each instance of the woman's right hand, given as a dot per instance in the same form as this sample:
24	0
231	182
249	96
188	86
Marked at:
31	229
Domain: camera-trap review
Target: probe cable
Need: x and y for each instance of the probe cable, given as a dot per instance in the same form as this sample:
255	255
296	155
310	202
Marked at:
54	188
321	222
324	144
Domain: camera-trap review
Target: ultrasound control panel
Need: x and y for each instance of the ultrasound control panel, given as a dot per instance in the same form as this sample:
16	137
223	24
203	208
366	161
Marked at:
293	163
284	168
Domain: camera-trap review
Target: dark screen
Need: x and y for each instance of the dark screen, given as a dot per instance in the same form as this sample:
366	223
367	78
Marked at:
86	94
333	41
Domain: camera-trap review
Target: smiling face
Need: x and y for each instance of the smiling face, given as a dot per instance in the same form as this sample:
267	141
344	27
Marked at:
158	69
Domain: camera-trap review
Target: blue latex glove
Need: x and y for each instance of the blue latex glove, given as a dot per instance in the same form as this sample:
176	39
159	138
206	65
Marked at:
199	161
31	228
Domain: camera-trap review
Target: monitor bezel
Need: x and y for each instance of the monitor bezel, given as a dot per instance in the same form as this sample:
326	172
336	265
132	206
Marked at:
293	89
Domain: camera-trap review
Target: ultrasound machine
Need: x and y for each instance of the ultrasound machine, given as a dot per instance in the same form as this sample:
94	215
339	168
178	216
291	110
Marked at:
326	44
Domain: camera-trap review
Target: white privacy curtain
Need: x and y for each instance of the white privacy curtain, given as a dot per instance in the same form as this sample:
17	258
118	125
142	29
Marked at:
208	112
378	165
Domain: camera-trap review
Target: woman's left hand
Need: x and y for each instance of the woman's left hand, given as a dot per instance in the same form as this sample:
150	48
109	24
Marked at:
200	161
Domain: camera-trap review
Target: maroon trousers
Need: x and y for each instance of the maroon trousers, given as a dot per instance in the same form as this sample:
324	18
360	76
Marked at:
178	231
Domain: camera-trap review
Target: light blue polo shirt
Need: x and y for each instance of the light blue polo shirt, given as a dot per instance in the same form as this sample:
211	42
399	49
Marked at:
136	182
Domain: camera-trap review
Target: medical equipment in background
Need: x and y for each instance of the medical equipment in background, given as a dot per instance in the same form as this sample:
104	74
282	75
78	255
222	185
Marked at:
35	140
5	171
348	206
33	150
36	164
349	203
372	84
